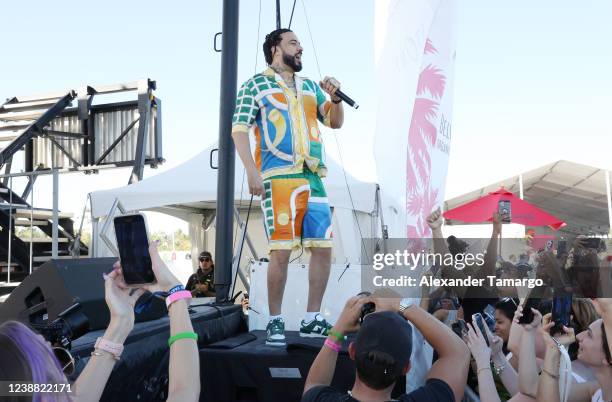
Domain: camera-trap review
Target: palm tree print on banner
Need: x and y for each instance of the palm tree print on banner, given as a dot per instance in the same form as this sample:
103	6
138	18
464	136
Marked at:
420	197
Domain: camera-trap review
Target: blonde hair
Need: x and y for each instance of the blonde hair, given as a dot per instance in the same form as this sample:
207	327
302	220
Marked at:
584	313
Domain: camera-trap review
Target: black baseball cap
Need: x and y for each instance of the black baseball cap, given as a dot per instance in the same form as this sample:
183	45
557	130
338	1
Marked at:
386	332
205	254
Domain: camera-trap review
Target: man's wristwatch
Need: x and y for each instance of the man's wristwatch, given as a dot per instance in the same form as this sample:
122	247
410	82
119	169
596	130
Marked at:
405	303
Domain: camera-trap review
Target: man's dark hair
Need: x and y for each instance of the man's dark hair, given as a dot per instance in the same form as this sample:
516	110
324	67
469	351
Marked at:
272	39
378	370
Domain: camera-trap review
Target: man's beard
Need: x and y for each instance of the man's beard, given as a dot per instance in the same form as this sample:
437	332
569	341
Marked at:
292	63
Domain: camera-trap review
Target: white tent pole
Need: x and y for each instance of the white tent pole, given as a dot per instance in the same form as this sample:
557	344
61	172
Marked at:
609	200
521	185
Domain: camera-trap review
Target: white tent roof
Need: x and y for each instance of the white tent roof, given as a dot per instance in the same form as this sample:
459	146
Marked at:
193	184
573	192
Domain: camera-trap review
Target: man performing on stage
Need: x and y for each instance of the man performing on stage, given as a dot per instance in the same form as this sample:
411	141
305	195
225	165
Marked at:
287	171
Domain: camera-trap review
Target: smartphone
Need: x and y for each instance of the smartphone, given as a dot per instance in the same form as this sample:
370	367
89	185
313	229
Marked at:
133	244
481	324
561	311
504	209
592	242
367	308
527	317
561	247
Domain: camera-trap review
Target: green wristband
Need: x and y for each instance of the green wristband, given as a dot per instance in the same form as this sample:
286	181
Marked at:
339	337
182	335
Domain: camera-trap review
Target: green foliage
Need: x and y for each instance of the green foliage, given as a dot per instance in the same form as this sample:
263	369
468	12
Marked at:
182	242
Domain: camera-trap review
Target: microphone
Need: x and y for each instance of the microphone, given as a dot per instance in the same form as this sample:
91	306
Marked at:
346	99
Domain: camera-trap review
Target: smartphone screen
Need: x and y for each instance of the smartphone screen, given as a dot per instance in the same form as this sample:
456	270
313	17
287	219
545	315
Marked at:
561	247
505	211
133	245
481	324
527	317
592	242
561	311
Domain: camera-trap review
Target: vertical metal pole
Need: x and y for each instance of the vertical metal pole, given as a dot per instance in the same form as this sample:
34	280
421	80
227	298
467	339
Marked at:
31	221
227	152
10	231
521	185
144	111
93	247
278	16
54	229
609	201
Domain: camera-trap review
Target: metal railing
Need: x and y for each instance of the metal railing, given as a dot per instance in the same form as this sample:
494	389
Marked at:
11	206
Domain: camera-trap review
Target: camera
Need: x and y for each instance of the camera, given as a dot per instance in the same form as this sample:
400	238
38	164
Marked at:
70	324
367	308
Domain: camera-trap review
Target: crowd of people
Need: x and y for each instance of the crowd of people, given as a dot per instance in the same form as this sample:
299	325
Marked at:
483	345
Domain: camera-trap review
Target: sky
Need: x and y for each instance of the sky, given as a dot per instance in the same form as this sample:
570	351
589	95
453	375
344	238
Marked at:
532	79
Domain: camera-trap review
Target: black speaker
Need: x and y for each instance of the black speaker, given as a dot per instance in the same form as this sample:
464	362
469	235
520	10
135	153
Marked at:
60	284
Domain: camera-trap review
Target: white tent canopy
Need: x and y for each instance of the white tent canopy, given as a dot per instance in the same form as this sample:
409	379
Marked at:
578	194
189	192
194	183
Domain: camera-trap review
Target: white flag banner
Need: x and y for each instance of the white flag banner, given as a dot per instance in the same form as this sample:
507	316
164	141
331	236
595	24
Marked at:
415	55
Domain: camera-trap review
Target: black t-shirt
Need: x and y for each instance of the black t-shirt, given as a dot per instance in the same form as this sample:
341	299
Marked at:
434	390
201	278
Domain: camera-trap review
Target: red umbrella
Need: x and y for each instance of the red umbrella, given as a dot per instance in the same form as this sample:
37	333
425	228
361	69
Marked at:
482	209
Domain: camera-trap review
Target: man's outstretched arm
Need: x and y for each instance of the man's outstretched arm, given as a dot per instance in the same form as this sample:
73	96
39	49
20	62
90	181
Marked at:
322	369
454	356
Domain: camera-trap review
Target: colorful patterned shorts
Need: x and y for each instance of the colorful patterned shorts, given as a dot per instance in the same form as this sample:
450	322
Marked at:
296	212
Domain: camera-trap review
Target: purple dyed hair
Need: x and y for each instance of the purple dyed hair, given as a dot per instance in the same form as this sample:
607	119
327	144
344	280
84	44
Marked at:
35	359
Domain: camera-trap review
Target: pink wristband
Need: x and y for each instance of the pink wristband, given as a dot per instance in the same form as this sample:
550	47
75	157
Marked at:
113	348
183	294
332	345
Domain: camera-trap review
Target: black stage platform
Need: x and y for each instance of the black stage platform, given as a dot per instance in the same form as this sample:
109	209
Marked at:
244	368
142	372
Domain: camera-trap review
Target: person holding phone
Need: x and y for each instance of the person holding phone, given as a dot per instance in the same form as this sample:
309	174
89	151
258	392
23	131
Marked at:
26	356
202	282
382	353
594	351
486	347
184	365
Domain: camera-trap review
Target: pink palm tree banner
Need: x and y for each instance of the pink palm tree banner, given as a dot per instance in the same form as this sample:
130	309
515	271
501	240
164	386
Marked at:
415	55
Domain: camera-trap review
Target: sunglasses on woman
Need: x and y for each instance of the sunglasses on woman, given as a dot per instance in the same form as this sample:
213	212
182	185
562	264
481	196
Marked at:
204	259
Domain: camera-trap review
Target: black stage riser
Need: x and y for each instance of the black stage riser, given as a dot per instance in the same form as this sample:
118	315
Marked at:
246	370
142	373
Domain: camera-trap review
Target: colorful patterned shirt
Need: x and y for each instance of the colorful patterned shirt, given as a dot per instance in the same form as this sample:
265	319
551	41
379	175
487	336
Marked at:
285	123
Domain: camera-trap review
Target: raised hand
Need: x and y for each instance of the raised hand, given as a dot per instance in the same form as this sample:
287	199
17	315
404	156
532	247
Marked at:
435	220
349	317
165	279
120	298
565	339
497	223
478	346
495	342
